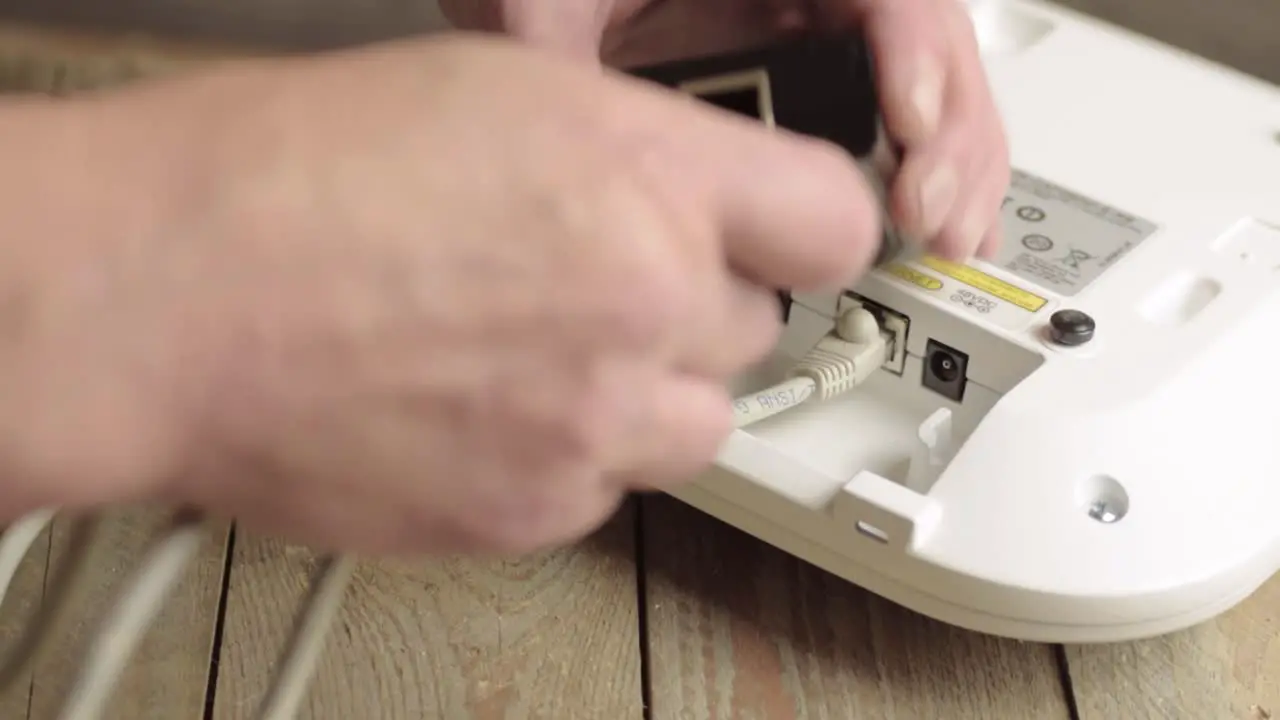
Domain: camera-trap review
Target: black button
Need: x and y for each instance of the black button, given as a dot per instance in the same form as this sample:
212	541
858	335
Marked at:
1071	327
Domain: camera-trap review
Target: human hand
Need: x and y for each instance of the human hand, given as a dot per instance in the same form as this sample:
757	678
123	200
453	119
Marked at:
466	308
936	100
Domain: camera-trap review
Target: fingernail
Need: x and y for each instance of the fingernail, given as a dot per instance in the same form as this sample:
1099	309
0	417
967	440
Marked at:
937	195
926	98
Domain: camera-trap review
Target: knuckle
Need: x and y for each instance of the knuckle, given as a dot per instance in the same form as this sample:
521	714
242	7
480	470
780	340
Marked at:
587	424
646	282
652	306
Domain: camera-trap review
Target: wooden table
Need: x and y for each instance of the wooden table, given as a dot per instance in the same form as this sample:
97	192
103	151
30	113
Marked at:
663	614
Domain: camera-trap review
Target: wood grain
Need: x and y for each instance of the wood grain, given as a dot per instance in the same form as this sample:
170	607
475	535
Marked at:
1228	669
278	24
738	631
21	602
551	636
43	60
167	677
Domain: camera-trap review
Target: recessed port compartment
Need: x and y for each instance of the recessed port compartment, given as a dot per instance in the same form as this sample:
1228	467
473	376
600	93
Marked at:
892	321
893	425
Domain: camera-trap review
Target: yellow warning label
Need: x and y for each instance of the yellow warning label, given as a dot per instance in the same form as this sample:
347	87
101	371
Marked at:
913	276
996	287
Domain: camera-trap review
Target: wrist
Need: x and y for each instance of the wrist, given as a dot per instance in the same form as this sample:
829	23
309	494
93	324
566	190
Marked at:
91	398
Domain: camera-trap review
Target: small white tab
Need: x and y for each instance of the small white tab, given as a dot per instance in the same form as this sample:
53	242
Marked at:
885	512
932	453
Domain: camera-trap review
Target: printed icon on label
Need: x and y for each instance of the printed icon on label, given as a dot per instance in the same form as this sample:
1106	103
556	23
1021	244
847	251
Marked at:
1037	243
1074	257
1031	213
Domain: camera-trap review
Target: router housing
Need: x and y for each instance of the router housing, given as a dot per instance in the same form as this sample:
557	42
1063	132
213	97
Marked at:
1078	441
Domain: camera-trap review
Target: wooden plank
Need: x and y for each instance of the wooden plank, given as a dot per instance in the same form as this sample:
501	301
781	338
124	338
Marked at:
21	602
1228	669
36	59
737	629
283	24
167	678
552	636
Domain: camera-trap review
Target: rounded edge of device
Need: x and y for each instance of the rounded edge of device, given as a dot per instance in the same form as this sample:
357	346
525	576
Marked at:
1175	612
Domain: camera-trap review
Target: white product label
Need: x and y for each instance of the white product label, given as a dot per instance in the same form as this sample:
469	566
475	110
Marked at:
1062	241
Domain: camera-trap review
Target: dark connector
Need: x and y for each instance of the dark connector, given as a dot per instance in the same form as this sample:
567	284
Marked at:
945	370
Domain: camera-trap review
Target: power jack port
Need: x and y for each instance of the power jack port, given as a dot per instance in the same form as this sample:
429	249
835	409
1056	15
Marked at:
945	370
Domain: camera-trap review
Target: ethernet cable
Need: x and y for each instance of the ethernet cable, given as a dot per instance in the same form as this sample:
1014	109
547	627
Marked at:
842	360
126	623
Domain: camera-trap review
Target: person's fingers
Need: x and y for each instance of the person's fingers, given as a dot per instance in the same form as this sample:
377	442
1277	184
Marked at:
720	344
571	26
938	105
672	29
950	187
789	212
976	225
682	422
797	214
912	49
949	191
574	27
911	45
992	241
974	220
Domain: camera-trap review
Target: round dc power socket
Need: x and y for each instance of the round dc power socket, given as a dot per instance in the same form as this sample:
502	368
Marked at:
1071	328
944	366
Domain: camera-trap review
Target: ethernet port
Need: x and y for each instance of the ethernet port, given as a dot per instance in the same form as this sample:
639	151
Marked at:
945	370
894	324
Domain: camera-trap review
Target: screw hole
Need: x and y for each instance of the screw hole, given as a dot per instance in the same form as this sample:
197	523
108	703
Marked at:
873	532
1104	499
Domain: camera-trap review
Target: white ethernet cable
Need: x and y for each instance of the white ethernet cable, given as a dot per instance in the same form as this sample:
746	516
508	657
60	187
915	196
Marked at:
842	360
839	362
129	618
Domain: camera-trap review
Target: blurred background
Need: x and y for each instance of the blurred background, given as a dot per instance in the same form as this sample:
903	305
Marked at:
1241	33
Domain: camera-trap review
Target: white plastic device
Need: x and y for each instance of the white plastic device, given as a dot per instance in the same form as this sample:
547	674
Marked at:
1078	491
1110	475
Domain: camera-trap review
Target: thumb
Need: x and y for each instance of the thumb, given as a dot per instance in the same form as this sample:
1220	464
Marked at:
574	27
